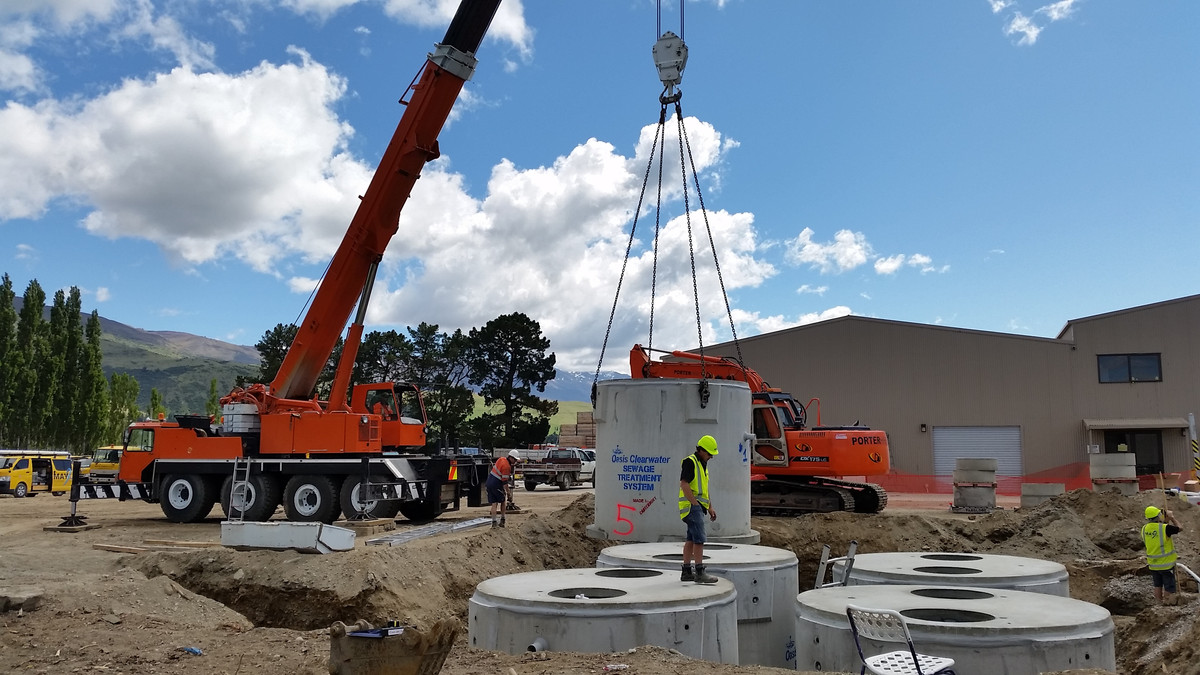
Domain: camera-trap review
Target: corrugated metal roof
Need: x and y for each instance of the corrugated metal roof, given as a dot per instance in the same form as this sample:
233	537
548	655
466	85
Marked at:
1136	423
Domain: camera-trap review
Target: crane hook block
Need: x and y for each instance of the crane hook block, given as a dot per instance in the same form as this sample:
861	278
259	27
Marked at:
670	57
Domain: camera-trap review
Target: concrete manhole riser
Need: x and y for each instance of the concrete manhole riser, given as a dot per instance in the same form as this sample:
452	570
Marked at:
604	610
958	569
985	630
766	581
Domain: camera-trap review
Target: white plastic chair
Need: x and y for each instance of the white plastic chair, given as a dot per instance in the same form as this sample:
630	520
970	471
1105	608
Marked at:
885	625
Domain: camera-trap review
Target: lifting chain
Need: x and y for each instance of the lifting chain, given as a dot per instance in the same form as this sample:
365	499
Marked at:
670	57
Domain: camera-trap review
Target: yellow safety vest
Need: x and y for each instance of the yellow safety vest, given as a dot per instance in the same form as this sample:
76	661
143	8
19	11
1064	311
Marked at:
699	487
1160	550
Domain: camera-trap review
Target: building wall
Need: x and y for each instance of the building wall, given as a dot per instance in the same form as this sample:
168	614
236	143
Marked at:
896	376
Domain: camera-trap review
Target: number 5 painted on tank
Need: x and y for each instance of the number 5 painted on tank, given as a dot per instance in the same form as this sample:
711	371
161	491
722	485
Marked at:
624	520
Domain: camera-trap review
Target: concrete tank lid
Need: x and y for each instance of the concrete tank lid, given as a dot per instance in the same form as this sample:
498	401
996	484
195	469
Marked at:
666	382
606	588
1010	611
961	567
728	556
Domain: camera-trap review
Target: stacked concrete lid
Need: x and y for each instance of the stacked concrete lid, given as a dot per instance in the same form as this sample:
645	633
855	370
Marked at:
766	581
1114	471
604	610
974	485
958	569
644	430
985	630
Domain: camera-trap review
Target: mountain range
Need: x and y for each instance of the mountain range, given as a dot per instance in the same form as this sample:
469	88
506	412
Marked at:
181	366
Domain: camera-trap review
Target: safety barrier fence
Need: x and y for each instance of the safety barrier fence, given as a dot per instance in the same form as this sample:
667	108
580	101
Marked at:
1072	476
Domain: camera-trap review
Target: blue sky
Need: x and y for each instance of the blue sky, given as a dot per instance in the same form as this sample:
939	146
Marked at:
987	164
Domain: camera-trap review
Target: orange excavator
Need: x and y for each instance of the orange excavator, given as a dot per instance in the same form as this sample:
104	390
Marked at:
359	455
794	468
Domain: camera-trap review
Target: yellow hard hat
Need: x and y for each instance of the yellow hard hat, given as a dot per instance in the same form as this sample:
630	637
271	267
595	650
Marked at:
1152	512
707	444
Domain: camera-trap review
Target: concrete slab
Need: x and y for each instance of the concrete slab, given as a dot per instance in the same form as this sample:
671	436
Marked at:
958	569
303	537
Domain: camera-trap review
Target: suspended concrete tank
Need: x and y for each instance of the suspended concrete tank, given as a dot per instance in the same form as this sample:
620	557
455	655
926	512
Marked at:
766	581
985	630
644	430
958	569
604	610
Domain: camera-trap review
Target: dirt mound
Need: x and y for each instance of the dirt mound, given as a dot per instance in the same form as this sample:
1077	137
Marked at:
414	583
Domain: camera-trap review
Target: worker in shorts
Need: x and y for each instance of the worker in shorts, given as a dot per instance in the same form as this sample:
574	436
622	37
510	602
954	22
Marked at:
694	504
497	485
1160	552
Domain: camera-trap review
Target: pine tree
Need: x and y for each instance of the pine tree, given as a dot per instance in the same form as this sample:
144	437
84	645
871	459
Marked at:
8	346
93	390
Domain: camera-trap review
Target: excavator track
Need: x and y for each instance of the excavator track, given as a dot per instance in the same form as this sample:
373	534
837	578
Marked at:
773	497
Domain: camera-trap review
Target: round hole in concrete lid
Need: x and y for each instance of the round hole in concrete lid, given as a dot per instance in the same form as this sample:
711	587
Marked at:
946	615
588	593
678	557
946	569
952	593
951	556
628	573
718	547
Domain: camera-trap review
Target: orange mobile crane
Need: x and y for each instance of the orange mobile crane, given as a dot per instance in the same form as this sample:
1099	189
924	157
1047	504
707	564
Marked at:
794	468
322	458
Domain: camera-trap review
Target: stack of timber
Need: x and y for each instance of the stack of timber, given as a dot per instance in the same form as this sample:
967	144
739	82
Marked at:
582	434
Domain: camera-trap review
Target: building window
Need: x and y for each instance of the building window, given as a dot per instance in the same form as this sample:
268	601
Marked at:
1130	367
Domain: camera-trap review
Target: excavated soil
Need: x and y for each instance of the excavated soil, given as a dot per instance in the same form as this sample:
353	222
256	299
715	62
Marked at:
269	612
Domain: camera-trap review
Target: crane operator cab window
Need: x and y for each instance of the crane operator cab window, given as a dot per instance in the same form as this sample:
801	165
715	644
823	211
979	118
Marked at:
381	402
139	440
411	410
769	445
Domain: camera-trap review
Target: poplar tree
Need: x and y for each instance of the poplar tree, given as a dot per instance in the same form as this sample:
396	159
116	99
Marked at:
123	409
30	394
8	346
156	406
213	405
62	366
93	389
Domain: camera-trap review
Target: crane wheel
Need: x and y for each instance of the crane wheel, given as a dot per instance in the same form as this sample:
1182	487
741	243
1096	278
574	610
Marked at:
257	498
352	505
311	499
185	498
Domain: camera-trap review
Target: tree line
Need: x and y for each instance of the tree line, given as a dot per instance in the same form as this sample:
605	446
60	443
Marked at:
505	360
53	392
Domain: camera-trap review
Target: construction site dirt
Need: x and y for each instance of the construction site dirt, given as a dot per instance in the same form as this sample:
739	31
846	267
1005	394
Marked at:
140	595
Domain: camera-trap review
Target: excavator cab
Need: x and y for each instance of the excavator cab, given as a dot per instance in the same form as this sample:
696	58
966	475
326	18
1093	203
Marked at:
770	448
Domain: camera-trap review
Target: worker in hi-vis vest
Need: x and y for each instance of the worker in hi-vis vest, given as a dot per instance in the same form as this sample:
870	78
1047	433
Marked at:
497	484
1160	552
694	504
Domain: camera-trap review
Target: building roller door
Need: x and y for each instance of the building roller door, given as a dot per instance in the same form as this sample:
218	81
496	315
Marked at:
1001	443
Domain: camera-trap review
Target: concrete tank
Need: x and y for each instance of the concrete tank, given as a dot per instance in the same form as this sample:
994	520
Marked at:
985	630
766	581
958	569
644	429
604	610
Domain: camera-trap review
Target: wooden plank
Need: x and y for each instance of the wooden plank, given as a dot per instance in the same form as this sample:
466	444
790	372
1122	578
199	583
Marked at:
183	544
119	549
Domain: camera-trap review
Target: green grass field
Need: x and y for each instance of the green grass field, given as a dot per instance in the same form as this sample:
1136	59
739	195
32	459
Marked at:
565	415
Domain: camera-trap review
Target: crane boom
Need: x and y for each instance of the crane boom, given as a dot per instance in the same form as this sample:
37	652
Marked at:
375	222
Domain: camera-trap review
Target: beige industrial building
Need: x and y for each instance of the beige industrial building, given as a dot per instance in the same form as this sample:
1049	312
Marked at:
1125	381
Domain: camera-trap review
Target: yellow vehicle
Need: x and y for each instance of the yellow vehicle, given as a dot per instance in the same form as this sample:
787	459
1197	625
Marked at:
106	462
24	473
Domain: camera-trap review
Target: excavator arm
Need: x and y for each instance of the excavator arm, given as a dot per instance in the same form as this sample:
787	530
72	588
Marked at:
376	221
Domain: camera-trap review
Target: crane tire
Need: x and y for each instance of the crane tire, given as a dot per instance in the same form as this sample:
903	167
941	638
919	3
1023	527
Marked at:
185	498
263	494
311	499
351	505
